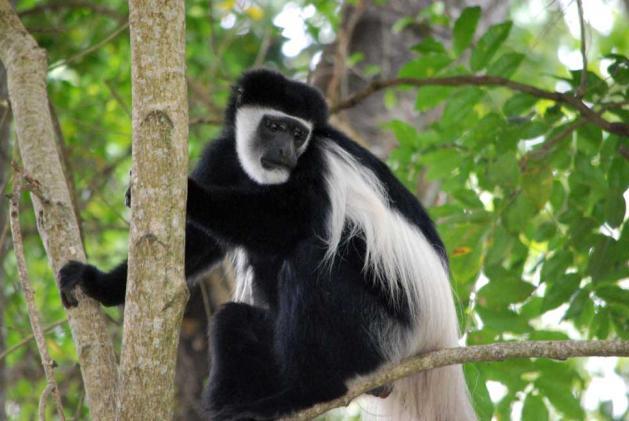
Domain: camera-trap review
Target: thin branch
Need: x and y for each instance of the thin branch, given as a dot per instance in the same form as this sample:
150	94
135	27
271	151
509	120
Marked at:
486	80
114	92
582	85
342	47
29	295
212	121
550	144
32	184
92	48
43	399
72	4
30	337
559	350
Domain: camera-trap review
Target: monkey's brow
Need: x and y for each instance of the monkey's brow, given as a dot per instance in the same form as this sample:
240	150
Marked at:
288	119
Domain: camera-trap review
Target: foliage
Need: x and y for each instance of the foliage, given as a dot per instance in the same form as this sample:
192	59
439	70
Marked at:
532	208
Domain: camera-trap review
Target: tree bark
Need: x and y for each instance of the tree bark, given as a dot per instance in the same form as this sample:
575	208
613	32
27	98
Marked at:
156	289
5	119
26	66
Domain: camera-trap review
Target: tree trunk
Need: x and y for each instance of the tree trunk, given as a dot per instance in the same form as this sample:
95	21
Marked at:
26	66
156	289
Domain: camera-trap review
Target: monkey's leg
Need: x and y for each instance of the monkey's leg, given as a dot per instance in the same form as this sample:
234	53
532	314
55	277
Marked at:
243	364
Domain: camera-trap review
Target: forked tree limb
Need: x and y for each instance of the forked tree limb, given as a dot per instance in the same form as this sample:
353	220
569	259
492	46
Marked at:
29	295
559	350
486	80
26	66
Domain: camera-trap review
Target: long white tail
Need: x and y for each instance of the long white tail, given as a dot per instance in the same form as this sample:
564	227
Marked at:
403	260
434	395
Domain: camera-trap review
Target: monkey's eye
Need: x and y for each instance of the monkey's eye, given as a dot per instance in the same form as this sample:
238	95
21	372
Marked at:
300	136
271	125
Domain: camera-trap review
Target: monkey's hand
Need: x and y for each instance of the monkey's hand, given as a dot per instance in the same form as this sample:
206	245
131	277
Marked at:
70	276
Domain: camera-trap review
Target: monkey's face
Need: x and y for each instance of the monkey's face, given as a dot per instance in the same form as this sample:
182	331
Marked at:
269	143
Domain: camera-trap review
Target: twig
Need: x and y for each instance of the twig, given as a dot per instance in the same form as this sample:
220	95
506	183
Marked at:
264	48
582	85
72	4
548	146
43	399
486	80
212	121
32	185
114	92
559	350
30	338
340	54
33	313
92	48
5	230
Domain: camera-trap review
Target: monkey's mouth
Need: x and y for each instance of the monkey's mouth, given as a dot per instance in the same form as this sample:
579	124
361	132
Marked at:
275	164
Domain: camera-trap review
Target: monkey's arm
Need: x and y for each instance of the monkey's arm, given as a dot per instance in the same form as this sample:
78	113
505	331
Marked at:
270	219
109	288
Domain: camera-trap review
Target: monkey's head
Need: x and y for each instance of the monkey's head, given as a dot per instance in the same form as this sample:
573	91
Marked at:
272	119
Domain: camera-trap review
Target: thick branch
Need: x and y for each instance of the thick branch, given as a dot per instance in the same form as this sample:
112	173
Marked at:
559	350
156	288
56	222
29	296
558	97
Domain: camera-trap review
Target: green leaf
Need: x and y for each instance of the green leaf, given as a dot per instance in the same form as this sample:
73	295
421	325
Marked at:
504	171
402	23
429	45
613	294
589	138
599	265
520	211
503	320
519	104
615	208
390	100
500	245
557	196
476	384
488	44
504	290
560	396
425	66
555	267
537	182
441	163
577	304
601	324
464	28
534	409
560	290
548	335
461	103
430	96
405	134
619	69
505	65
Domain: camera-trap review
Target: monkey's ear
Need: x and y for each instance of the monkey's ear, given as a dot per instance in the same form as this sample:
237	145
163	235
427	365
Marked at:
239	92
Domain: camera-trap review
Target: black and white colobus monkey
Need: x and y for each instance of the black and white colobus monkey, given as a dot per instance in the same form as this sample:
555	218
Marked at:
339	268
